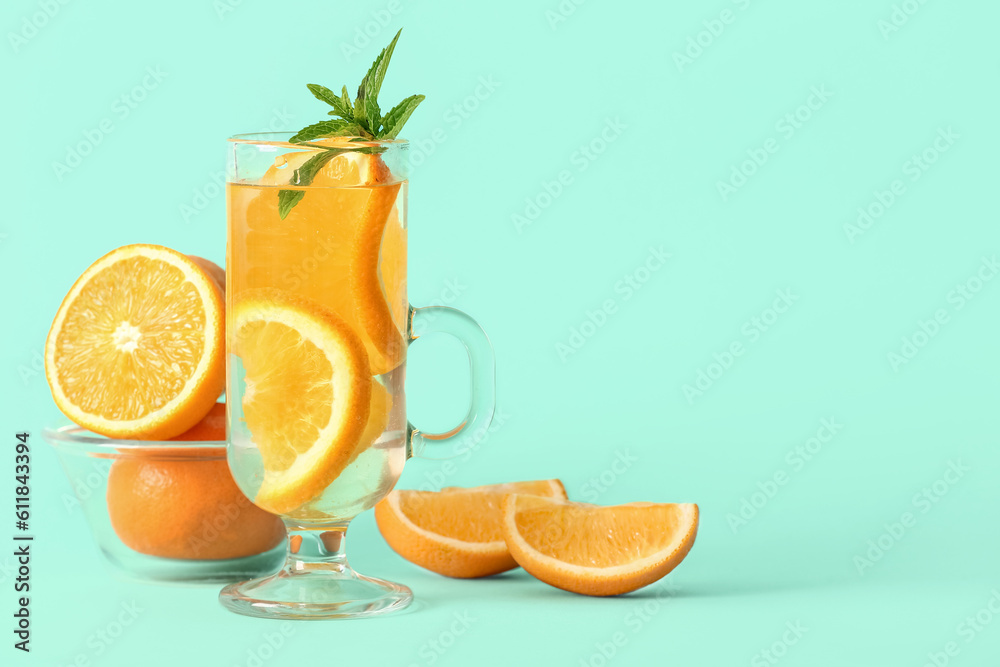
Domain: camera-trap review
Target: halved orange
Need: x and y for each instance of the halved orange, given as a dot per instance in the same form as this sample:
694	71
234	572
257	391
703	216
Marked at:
596	550
136	349
307	392
455	532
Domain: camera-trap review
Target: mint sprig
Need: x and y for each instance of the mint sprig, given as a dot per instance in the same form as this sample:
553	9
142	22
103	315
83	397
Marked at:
361	120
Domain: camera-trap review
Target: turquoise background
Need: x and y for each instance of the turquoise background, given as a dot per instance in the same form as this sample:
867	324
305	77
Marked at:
891	75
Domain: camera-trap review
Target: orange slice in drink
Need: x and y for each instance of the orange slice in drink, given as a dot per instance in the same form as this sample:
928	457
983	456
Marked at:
377	277
342	245
136	349
322	508
597	550
351	169
455	532
307	393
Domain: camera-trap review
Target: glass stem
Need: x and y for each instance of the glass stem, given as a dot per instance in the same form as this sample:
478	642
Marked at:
316	549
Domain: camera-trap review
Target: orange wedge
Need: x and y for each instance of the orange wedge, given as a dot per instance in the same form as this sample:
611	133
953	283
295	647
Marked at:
307	393
136	349
596	550
455	532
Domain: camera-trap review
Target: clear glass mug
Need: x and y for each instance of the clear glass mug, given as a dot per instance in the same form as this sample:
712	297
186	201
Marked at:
318	324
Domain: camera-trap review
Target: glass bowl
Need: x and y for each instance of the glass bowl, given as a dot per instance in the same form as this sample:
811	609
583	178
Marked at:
194	543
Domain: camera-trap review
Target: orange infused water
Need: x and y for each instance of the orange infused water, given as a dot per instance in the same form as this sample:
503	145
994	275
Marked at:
316	320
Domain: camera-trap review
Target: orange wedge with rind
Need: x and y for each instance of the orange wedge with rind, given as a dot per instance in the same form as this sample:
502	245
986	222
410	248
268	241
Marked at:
455	532
595	550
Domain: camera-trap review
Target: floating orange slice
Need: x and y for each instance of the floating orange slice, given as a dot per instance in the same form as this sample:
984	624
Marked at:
323	508
343	245
345	170
455	532
307	393
136	349
597	550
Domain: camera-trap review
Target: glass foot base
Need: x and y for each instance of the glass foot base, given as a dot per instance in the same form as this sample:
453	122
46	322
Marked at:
315	595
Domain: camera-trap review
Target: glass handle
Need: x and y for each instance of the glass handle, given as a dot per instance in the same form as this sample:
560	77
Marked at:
482	367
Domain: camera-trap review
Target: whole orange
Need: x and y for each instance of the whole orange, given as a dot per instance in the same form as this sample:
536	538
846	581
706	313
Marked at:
186	507
211	427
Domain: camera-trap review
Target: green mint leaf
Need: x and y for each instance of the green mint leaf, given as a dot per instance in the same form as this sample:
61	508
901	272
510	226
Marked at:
287	199
304	175
366	111
398	115
325	128
371	85
374	116
361	120
324	94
